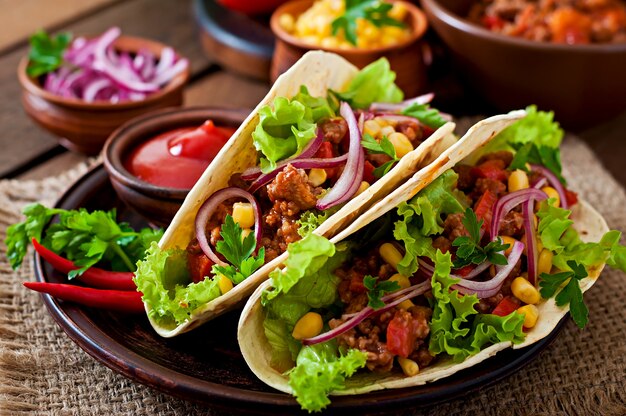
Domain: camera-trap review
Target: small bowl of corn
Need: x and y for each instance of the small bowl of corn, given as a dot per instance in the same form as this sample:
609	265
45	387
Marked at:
361	34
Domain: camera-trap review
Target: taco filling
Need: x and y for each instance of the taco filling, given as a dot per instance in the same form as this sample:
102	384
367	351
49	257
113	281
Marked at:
459	267
314	155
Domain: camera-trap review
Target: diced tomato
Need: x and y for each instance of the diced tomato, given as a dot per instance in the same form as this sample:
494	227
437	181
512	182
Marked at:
571	197
492	169
368	173
401	336
506	306
199	266
326	152
464	271
484	208
356	284
493	22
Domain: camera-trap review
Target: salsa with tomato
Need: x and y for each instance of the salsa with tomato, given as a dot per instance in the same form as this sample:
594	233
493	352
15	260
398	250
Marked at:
177	158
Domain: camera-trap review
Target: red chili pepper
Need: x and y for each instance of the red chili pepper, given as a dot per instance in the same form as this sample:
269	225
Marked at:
484	208
326	152
506	306
571	197
114	300
492	169
93	276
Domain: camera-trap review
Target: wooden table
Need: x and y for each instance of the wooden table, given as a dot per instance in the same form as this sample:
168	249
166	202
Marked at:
30	152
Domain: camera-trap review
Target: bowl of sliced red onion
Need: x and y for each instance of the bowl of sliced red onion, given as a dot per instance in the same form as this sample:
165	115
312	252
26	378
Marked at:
82	89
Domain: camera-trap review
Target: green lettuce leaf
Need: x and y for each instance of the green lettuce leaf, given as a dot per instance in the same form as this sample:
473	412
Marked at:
456	328
164	280
422	216
428	116
316	108
283	131
374	83
321	369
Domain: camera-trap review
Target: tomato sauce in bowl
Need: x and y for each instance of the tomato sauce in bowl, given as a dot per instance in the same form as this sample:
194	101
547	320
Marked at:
178	157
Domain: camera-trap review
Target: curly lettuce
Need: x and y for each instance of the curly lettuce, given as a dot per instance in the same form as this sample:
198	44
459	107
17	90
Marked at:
164	280
456	328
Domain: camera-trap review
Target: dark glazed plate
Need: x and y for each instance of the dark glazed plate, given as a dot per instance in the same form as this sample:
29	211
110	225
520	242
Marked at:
205	365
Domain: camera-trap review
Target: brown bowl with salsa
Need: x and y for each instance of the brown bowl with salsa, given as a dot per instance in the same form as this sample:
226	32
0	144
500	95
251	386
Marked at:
153	161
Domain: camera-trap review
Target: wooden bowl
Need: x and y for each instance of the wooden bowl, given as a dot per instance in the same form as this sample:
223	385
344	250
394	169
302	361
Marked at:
583	84
84	127
406	58
155	203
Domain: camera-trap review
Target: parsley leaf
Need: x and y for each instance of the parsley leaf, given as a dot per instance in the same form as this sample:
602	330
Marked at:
426	115
547	156
376	11
46	53
238	251
570	294
469	250
384	147
376	290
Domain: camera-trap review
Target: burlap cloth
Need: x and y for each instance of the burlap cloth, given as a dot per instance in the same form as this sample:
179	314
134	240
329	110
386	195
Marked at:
582	373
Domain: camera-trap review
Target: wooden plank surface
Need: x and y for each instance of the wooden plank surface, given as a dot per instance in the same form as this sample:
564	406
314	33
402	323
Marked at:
168	21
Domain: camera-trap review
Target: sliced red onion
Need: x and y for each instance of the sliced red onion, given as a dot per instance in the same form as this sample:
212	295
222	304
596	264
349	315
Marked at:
492	286
398	117
352	175
422	99
395	299
93	88
361	122
554	182
318	163
475	272
208	208
531	241
510	201
540	183
308	152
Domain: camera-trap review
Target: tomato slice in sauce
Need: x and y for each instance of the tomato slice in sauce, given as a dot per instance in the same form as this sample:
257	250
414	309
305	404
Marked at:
177	158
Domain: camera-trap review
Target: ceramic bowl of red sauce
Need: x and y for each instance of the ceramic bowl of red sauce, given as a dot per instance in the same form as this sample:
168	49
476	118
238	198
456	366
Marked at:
154	160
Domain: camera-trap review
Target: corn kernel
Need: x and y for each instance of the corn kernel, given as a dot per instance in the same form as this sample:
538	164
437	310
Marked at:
387	130
518	180
401	143
552	193
308	326
329	42
544	263
287	22
409	367
372	128
531	314
243	214
317	176
406	304
322	25
386	122
539	245
364	185
390	254
398	11
224	283
403	281
524	291
245	232
510	241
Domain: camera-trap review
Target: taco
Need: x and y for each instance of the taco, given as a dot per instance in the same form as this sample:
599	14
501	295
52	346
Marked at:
491	253
298	164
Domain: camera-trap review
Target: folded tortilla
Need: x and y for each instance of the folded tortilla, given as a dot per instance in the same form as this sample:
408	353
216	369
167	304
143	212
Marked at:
251	335
318	71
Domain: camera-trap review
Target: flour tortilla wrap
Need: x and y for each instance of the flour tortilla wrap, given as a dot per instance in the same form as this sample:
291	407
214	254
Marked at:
318	71
257	351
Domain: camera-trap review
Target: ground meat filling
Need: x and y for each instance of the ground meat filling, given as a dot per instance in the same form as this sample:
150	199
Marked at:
334	129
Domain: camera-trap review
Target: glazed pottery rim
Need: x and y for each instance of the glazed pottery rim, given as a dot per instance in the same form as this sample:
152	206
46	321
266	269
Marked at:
462	24
417	32
113	158
32	85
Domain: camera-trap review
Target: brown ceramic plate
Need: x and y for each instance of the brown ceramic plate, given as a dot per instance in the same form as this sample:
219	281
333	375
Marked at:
205	365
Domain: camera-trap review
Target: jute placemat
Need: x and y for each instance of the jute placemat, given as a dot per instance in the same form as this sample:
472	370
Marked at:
582	373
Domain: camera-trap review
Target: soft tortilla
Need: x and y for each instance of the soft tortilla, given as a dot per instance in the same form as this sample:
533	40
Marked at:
319	71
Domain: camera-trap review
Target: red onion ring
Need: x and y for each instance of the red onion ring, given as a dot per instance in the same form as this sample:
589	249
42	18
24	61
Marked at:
510	201
540	183
492	286
475	272
531	241
206	211
422	99
554	182
352	175
308	152
317	163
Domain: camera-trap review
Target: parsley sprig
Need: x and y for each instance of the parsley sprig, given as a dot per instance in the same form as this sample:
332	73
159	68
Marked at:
384	147
238	252
376	11
46	52
377	289
540	155
570	294
469	250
